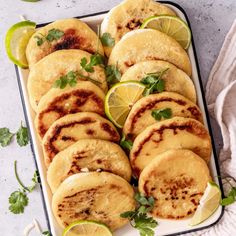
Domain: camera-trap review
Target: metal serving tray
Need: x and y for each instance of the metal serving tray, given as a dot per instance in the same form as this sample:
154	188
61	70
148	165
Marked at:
165	227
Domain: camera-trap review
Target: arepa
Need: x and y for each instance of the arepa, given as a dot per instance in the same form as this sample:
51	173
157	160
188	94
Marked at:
175	79
174	133
84	96
176	179
129	15
63	34
148	44
73	127
89	155
93	196
43	74
140	116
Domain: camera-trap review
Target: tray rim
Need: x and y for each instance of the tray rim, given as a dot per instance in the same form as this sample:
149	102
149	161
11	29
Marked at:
205	110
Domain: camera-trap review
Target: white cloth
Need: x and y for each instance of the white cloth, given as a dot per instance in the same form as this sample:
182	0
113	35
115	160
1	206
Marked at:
221	100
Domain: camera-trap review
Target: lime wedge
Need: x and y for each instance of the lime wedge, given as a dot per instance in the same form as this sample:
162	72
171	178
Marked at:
87	228
16	40
120	99
172	26
209	203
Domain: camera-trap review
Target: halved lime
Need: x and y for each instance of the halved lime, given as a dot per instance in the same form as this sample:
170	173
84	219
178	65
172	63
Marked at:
16	40
87	228
120	99
172	26
209	203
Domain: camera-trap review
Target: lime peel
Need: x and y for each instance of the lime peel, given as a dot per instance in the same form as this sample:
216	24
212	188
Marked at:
15	47
96	227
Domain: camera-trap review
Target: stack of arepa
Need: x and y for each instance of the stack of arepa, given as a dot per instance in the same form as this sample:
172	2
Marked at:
88	172
85	165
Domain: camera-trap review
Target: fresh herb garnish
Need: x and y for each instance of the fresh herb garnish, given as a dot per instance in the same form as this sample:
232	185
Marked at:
139	219
165	113
53	34
18	200
153	82
47	233
127	144
95	59
30	0
231	196
71	79
107	40
113	75
5	137
22	136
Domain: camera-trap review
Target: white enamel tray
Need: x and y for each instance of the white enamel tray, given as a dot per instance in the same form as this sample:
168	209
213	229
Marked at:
165	227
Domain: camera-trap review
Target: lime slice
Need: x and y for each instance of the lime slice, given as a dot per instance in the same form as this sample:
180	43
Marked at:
16	40
120	99
172	26
87	228
209	202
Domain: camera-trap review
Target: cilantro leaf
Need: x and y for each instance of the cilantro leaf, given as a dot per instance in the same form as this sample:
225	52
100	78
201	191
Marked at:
39	41
5	137
18	200
107	40
47	233
165	113
54	34
139	219
153	82
230	198
113	75
127	144
22	136
95	59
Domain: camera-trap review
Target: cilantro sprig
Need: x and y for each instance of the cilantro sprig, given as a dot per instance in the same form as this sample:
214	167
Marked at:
153	82
71	79
22	136
231	196
113	75
18	200
5	137
53	34
125	143
95	59
107	40
139	218
165	113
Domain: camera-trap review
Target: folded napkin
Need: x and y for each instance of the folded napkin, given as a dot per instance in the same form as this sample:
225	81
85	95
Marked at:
221	100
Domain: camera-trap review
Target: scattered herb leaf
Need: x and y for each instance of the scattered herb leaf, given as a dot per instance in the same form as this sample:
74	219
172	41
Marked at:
165	113
139	219
47	233
107	40
5	137
53	34
71	79
113	75
18	200
30	0
127	144
153	82
95	59
230	197
22	136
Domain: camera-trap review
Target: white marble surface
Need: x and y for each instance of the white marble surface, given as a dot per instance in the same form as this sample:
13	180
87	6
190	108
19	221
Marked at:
210	20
